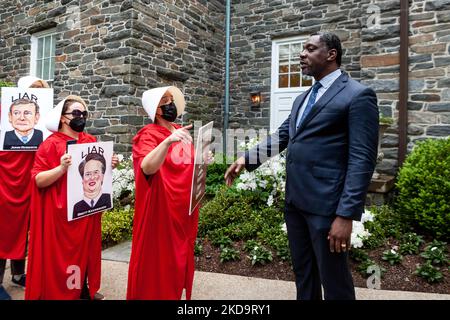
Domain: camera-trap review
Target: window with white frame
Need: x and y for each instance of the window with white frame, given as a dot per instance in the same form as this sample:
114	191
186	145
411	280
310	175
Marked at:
289	72
43	47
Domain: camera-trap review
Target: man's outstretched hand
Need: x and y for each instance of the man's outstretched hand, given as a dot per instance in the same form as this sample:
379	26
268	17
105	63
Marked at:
234	170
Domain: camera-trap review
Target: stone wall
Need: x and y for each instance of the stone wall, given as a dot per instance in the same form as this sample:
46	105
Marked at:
181	43
109	52
255	24
429	66
370	34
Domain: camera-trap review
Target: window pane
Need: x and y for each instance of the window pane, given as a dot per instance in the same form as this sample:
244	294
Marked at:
295	67
45	69
52	69
40	48
306	81
53	46
47	47
295	80
284	68
39	69
283	81
296	48
284	53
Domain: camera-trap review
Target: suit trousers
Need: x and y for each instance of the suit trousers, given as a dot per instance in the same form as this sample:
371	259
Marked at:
17	268
314	264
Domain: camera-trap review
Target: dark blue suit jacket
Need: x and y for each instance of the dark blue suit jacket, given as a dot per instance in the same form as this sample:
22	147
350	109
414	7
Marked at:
331	157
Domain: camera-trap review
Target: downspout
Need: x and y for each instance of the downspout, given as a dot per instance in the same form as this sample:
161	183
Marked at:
403	93
226	110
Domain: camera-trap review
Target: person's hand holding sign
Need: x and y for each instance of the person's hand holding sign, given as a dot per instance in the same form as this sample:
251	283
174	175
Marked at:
66	161
115	161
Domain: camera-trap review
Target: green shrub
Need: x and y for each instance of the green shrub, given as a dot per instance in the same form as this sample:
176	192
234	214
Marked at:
219	239
198	249
117	225
358	255
392	256
260	255
386	223
228	254
281	245
250	245
439	244
410	243
430	273
215	175
435	255
424	188
243	215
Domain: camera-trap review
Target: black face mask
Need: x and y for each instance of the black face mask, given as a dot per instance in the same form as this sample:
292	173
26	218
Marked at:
77	124
169	112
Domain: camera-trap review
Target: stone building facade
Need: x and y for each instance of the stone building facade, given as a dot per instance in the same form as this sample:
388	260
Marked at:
370	34
110	51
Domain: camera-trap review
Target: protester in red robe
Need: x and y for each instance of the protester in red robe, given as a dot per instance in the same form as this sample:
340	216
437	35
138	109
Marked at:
63	256
15	168
164	234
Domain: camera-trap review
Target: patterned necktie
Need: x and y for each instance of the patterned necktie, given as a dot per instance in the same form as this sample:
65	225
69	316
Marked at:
92	203
24	139
311	101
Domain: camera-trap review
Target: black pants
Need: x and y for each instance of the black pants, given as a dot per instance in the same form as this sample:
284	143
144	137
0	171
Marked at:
17	268
313	263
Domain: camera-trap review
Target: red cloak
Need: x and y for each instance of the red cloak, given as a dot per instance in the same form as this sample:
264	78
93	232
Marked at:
61	253
15	193
162	255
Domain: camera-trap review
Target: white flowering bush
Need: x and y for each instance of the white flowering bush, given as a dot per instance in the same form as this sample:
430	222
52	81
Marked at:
359	231
268	180
123	179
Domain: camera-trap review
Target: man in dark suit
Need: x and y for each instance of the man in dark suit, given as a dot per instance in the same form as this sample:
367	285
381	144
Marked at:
23	116
331	138
92	170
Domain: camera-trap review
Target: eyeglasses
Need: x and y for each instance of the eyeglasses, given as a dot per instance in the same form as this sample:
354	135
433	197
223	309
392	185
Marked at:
77	113
26	113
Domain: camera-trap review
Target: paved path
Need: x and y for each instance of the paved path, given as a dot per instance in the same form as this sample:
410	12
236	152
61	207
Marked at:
217	286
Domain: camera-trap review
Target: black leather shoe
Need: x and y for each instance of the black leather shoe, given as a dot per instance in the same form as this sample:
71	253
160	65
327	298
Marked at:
20	282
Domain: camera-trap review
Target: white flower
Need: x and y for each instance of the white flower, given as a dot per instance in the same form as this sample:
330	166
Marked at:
270	201
366	216
262	183
284	227
120	157
359	234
